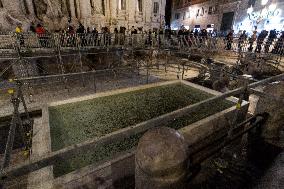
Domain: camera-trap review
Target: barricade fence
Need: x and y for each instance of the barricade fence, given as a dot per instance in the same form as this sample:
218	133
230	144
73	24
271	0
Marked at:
26	41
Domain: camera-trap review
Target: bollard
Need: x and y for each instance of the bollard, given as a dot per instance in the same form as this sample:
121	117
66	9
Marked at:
161	160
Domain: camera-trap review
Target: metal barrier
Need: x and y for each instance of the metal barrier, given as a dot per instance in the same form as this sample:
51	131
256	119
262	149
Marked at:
48	159
26	41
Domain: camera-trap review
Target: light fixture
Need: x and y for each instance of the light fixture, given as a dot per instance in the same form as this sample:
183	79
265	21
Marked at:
272	7
249	11
264	2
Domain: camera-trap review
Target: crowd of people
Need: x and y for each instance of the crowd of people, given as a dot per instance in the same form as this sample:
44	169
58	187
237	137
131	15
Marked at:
268	42
262	42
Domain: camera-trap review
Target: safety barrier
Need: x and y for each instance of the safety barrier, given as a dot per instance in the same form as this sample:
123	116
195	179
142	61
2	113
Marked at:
27	41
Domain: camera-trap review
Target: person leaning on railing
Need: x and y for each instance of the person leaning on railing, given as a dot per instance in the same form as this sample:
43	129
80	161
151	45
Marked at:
272	35
40	31
242	39
260	40
229	39
19	34
279	45
252	39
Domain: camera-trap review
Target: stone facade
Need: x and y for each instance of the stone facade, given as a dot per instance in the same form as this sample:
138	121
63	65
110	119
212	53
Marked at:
209	12
54	14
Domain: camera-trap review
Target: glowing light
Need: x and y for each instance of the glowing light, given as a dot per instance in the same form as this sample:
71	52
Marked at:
264	2
264	13
272	7
250	10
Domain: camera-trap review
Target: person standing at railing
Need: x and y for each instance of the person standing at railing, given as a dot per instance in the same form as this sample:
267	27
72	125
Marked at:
32	28
71	36
133	31
279	46
19	34
88	36
203	37
260	40
122	35
161	35
242	39
106	36
252	39
272	35
95	36
230	38
213	38
81	34
115	36
180	34
40	31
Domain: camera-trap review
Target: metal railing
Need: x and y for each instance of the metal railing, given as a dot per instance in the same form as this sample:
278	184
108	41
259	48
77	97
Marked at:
119	135
26	41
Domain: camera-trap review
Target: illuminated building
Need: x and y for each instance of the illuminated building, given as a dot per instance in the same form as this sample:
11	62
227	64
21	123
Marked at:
265	14
224	15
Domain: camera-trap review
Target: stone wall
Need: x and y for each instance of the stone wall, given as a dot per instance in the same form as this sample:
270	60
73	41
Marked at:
54	14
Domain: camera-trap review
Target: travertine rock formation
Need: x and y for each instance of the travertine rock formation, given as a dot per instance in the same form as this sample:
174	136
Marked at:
54	14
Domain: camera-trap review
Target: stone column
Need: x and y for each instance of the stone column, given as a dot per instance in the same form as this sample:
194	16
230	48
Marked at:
72	9
85	12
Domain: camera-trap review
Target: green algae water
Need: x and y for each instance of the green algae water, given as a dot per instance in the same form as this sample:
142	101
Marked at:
77	122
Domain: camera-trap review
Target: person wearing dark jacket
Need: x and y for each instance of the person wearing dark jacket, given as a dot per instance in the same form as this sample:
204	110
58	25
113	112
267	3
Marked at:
229	39
81	34
242	39
40	31
260	40
271	37
279	46
252	39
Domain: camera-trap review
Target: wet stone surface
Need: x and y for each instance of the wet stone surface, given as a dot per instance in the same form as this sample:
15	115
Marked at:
77	122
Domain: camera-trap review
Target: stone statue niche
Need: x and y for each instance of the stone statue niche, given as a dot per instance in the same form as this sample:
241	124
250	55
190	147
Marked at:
53	14
40	8
97	6
25	6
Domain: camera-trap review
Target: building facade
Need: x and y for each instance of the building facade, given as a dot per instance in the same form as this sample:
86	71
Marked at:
55	14
224	15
